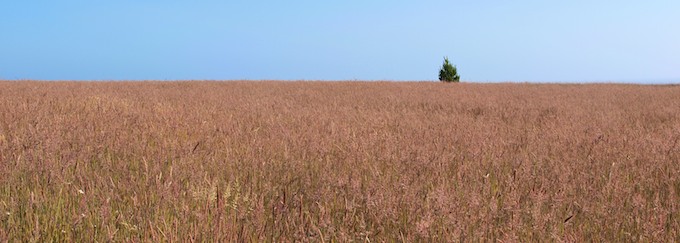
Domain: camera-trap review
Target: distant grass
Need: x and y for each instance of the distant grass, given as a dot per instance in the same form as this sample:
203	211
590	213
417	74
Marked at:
338	161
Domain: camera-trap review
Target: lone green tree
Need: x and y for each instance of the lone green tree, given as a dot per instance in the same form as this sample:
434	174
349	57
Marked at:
448	72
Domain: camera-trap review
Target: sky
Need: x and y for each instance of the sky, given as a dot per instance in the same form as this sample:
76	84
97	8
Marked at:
488	41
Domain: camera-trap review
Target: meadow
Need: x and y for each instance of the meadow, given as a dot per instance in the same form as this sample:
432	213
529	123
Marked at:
338	161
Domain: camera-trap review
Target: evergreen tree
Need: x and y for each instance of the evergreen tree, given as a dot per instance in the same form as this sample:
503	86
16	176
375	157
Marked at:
448	72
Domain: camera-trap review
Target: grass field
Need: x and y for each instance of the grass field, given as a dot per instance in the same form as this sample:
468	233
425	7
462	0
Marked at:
338	161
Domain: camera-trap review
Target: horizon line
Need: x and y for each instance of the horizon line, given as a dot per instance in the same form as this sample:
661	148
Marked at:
641	82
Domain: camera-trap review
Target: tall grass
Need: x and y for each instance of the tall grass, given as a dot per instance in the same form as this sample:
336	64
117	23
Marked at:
338	161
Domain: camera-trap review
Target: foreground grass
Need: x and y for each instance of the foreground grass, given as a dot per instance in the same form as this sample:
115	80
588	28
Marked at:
277	161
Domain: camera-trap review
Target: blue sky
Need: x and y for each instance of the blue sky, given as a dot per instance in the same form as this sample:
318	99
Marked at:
498	41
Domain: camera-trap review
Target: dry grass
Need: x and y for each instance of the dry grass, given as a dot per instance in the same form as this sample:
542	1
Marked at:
338	161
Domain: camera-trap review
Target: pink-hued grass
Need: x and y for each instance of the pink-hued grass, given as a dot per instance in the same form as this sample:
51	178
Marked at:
338	161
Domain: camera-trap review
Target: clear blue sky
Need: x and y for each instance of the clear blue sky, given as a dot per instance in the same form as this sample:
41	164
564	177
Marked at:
550	41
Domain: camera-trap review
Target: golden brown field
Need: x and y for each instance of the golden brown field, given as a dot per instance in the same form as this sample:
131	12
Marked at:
338	161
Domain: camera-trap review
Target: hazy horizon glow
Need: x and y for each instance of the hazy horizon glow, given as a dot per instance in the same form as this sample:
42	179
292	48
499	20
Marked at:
534	41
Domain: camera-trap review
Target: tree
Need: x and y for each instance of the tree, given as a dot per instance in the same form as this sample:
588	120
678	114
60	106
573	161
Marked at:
448	72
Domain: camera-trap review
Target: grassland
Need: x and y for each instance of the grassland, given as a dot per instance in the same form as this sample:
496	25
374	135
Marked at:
338	161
